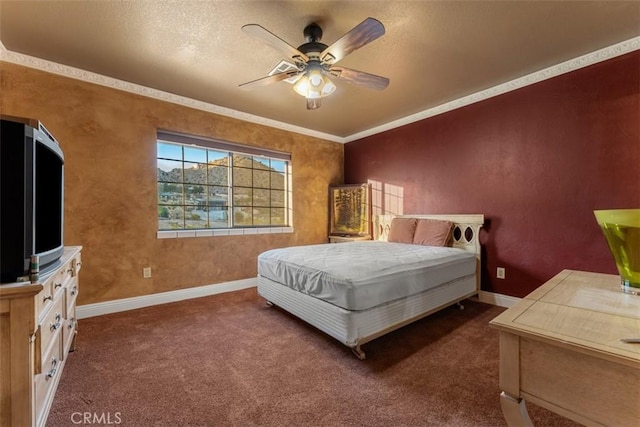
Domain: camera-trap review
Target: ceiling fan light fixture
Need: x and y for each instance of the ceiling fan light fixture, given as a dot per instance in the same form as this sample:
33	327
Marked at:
315	79
314	85
328	87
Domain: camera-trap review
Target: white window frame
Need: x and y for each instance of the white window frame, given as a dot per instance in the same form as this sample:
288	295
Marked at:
229	148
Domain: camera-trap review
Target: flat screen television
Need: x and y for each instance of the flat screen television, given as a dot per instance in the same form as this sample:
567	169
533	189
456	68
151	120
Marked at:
31	198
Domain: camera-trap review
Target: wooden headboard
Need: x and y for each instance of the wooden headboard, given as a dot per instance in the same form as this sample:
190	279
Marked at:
466	228
466	231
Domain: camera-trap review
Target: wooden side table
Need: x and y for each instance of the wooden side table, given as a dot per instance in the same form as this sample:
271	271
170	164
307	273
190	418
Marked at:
560	348
345	239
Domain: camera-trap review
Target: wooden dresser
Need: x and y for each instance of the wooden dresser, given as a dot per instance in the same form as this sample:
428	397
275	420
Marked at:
561	348
37	331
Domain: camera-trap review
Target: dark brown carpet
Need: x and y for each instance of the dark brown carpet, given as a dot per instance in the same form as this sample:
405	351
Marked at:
229	360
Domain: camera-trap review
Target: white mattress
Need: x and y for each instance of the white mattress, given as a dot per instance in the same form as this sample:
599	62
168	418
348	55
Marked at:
362	275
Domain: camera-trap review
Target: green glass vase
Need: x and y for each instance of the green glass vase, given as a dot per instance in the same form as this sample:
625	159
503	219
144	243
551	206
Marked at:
621	228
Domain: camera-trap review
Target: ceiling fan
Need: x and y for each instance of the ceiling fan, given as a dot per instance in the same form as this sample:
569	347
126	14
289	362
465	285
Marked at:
314	62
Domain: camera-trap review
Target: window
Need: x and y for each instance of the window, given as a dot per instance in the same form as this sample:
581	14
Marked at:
209	184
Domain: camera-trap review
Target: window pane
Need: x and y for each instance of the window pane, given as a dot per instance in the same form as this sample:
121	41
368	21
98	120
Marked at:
195	217
194	154
261	178
218	196
175	216
261	197
195	173
165	220
261	216
164	217
220	158
169	171
277	199
242	196
218	175
242	177
277	180
169	151
242	216
169	193
219	217
278	216
195	195
278	165
241	160
261	163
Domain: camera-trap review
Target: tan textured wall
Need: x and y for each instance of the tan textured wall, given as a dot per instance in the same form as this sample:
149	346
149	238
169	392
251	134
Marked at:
108	138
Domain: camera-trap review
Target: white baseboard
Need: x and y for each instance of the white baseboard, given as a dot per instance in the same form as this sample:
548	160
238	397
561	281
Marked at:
115	306
497	299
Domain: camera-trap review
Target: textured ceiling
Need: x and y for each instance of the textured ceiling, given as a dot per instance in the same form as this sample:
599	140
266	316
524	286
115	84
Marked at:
433	51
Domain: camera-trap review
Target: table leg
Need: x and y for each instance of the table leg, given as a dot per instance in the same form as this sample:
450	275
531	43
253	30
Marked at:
514	411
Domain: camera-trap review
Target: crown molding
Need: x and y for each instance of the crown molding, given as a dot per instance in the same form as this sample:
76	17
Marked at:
604	54
99	79
535	77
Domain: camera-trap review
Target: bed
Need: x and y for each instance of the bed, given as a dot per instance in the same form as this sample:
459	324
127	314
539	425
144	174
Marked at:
361	290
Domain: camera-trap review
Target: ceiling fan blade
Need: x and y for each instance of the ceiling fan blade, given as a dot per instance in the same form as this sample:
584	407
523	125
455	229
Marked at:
363	33
264	81
360	77
274	41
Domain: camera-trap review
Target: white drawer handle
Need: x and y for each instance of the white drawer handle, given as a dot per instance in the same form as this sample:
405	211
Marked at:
57	285
72	322
48	297
52	372
74	290
56	325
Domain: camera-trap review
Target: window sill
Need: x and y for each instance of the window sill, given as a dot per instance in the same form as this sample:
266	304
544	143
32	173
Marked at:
168	234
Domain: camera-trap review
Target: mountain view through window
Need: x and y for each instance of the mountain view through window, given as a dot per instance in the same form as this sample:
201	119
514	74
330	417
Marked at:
201	188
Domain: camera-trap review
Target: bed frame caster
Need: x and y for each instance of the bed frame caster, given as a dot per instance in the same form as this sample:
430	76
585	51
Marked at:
460	306
269	303
358	352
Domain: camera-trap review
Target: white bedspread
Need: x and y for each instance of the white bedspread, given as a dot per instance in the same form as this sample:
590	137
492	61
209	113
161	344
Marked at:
361	275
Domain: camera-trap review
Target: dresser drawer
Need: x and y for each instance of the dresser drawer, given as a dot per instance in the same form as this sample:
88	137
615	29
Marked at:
57	285
71	295
45	382
65	273
51	326
44	300
60	278
68	332
52	289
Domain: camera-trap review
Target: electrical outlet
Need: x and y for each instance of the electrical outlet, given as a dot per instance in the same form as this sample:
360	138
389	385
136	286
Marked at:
146	272
500	273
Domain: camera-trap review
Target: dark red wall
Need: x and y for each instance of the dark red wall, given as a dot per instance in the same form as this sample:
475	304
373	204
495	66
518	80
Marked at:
536	162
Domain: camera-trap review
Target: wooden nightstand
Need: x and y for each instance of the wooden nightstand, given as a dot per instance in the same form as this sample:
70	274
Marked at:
345	239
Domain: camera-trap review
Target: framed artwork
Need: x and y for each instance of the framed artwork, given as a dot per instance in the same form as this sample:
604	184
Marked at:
350	210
